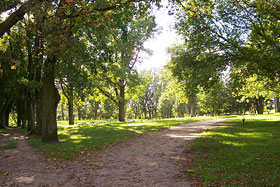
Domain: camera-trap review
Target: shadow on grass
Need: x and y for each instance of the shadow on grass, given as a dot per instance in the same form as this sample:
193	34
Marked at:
86	137
243	155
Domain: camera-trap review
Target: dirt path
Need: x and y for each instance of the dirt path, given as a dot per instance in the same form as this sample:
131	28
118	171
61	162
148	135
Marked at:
155	159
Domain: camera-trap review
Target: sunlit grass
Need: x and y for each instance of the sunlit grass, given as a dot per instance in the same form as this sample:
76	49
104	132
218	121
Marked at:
89	136
240	155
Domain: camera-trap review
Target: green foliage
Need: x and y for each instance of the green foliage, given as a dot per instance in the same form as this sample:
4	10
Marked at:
240	155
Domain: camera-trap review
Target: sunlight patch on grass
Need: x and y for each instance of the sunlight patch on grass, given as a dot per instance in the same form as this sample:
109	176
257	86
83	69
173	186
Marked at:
211	133
233	143
137	124
240	155
91	135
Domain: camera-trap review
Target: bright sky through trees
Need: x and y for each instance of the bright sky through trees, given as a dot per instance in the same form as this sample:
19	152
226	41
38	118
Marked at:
160	42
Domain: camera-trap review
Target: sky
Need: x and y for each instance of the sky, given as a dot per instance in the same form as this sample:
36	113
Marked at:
160	42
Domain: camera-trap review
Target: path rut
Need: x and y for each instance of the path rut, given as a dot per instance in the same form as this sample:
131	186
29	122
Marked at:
154	159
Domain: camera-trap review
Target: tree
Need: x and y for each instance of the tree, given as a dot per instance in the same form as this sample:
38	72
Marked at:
58	30
119	49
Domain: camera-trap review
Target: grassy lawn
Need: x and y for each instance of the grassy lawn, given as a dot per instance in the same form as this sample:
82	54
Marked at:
89	136
241	155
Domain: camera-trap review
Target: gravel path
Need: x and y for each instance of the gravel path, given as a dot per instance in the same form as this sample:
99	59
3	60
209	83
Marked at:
154	159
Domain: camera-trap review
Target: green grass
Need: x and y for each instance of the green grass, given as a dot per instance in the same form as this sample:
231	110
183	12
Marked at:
241	155
9	145
83	138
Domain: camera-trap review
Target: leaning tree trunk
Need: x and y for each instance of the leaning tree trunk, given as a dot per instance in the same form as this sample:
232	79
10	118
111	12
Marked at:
50	100
122	104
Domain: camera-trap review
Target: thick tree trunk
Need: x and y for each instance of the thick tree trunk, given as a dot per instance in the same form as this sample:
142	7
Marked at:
71	110
31	117
62	112
96	104
192	106
7	117
20	113
39	112
79	113
260	105
277	105
150	114
50	100
2	123
145	111
24	113
122	104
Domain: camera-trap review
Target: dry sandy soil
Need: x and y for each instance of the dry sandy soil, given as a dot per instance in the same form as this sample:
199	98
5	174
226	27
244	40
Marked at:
156	159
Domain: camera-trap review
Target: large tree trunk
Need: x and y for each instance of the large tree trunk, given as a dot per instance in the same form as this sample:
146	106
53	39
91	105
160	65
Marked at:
277	105
7	117
2	124
31	117
50	100
38	61
122	104
150	112
39	112
19	113
71	109
260	105
192	106
62	112
79	113
96	105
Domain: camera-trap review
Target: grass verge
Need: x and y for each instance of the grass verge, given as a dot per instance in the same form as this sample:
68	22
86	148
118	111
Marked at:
89	136
240	155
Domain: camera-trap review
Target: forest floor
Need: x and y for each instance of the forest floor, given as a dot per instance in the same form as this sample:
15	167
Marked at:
159	158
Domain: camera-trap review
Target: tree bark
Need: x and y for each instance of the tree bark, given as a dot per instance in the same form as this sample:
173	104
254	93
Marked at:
31	118
16	16
39	106
79	113
96	104
192	105
2	125
6	117
122	104
20	113
277	106
50	100
71	109
260	105
62	112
